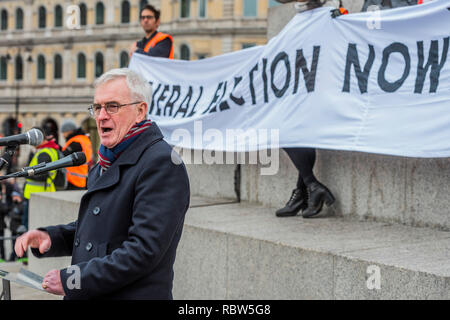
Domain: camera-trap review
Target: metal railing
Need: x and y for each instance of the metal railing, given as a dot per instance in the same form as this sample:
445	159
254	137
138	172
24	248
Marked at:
9	238
6	292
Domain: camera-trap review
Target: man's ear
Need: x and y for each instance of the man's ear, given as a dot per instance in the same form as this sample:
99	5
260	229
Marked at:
142	111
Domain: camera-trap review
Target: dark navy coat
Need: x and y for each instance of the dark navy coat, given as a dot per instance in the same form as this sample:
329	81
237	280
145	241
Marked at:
129	225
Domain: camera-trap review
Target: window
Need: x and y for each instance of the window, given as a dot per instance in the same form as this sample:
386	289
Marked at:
3	68
248	45
4	18
202	8
185	6
125	12
41	67
185	53
19	68
98	64
250	8
19	19
58	16
57	67
81	66
42	17
83	14
123	59
99	13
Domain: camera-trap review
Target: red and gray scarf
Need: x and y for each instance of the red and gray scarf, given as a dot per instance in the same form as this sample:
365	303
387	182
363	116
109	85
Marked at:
108	156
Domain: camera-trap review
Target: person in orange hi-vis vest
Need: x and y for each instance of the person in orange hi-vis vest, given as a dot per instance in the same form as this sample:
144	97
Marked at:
76	141
155	43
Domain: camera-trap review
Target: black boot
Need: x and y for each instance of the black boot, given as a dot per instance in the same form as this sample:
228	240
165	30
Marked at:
317	195
297	202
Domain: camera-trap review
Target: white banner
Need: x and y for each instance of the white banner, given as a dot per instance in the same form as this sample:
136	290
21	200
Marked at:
374	82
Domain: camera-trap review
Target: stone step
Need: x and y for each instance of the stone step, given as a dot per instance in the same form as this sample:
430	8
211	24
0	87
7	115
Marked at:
242	251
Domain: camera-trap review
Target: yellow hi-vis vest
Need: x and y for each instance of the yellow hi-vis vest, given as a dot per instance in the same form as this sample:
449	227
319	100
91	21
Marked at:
32	186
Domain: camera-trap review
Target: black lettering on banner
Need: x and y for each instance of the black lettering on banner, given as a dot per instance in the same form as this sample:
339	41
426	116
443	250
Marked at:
433	61
170	103
308	76
161	98
153	98
264	77
239	101
252	87
382	82
352	59
215	98
214	109
196	102
224	104
186	100
282	56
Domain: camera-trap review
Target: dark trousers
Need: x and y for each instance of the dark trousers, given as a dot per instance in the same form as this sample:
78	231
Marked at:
303	159
73	187
2	244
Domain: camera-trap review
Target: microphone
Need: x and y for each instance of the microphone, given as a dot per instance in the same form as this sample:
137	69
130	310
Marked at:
33	137
72	160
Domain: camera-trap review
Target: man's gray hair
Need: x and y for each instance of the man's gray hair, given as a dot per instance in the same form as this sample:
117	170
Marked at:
140	89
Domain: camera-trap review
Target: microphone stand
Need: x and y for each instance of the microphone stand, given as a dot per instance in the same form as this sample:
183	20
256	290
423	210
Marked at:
7	156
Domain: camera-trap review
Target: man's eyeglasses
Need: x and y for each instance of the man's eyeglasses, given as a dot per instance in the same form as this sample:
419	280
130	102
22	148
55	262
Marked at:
110	108
147	17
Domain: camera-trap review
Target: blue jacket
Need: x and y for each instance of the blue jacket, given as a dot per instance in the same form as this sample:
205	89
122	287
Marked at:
129	224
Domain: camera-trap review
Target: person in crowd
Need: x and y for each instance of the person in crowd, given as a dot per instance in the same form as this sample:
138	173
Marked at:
4	208
76	141
11	206
154	43
310	194
47	151
137	198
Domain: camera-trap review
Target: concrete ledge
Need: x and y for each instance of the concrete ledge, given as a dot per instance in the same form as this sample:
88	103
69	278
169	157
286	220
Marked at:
242	251
410	191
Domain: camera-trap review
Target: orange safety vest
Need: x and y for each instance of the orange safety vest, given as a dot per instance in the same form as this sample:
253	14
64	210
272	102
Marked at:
78	175
159	36
343	10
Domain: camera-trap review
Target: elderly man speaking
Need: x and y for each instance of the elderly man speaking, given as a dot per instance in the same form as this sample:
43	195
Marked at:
131	217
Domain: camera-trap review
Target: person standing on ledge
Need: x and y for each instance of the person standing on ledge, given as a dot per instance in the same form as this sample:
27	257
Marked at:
130	220
310	194
155	43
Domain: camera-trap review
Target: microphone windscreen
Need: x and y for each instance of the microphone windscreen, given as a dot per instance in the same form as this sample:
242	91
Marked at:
78	158
36	137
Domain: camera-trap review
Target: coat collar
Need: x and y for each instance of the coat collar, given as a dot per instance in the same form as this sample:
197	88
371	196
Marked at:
129	157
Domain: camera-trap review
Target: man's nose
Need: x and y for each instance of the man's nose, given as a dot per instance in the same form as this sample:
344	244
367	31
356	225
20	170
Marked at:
103	114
